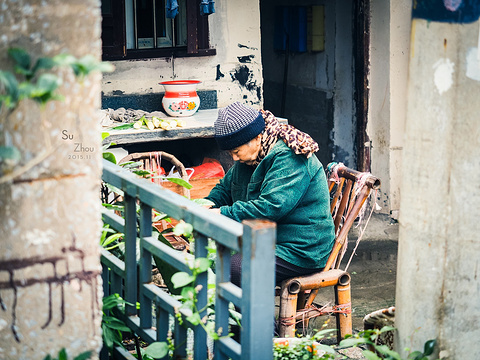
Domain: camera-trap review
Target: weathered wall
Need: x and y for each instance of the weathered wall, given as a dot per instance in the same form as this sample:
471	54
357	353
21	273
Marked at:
50	289
389	49
400	20
378	126
235	72
439	248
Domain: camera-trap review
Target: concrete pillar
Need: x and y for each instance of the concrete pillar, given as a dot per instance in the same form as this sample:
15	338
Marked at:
439	247
50	289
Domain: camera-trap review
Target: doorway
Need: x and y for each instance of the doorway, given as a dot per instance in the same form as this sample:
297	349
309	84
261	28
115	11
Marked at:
322	91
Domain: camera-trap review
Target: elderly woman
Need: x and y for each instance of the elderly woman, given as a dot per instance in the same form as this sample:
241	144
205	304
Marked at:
276	176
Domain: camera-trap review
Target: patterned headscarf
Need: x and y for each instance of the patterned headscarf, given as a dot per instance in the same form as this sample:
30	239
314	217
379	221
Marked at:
300	142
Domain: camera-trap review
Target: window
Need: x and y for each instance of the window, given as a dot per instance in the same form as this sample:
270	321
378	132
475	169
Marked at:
140	29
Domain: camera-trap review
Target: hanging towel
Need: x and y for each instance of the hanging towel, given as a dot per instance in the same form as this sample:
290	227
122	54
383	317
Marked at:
172	8
207	7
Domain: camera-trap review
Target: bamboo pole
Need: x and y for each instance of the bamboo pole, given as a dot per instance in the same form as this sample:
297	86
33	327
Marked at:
338	191
371	181
288	310
343	204
342	236
344	320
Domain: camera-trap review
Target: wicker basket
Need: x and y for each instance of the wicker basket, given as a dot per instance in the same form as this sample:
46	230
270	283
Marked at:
152	161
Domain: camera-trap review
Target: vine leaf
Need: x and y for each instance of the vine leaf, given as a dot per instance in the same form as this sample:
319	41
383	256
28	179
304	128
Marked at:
22	59
9	84
181	279
157	350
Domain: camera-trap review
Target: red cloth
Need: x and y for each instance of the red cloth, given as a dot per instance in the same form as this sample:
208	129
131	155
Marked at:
210	168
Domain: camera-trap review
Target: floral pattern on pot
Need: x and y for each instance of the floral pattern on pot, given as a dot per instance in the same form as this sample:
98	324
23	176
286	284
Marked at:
182	105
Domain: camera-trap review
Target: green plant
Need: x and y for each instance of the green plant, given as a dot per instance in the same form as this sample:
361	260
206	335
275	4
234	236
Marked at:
62	355
179	283
112	241
107	155
308	347
304	349
112	326
371	337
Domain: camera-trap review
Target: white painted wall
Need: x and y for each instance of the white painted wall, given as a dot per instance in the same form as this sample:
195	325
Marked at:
378	126
234	32
400	24
389	49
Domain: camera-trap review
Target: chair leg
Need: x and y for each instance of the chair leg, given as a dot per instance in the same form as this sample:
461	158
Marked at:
288	310
344	320
302	326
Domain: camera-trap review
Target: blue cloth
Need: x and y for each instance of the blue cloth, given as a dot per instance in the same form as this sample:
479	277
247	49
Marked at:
207	7
172	8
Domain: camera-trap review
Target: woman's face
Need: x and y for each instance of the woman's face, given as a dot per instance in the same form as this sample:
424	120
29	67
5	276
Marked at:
247	153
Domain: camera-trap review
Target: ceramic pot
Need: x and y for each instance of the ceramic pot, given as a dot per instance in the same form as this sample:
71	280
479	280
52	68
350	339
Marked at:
181	97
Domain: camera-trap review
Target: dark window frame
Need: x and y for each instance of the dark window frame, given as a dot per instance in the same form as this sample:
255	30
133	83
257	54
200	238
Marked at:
198	43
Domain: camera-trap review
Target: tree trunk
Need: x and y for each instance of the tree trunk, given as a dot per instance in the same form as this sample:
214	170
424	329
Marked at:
50	288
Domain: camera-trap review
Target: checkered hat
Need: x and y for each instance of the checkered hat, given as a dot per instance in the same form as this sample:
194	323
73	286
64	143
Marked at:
236	125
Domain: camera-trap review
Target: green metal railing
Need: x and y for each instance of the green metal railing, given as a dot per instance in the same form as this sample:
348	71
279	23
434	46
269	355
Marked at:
254	239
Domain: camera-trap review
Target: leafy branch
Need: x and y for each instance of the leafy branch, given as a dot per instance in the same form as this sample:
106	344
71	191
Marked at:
35	83
189	297
62	355
32	80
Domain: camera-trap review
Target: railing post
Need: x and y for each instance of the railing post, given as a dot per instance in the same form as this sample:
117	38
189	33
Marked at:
200	336
258	287
130	254
145	266
221	305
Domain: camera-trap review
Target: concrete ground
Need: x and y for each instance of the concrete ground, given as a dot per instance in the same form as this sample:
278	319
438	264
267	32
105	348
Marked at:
373	273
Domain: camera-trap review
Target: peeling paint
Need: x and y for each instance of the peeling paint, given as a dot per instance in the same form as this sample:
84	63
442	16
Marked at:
219	73
246	47
473	64
243	75
443	76
245	59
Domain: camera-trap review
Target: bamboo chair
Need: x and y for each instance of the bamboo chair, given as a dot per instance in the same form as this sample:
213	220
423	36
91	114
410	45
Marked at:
348	191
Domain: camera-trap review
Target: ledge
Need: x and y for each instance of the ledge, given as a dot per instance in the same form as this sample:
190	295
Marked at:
153	101
199	125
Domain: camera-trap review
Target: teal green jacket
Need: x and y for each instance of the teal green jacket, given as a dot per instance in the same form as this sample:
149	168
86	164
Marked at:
290	190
